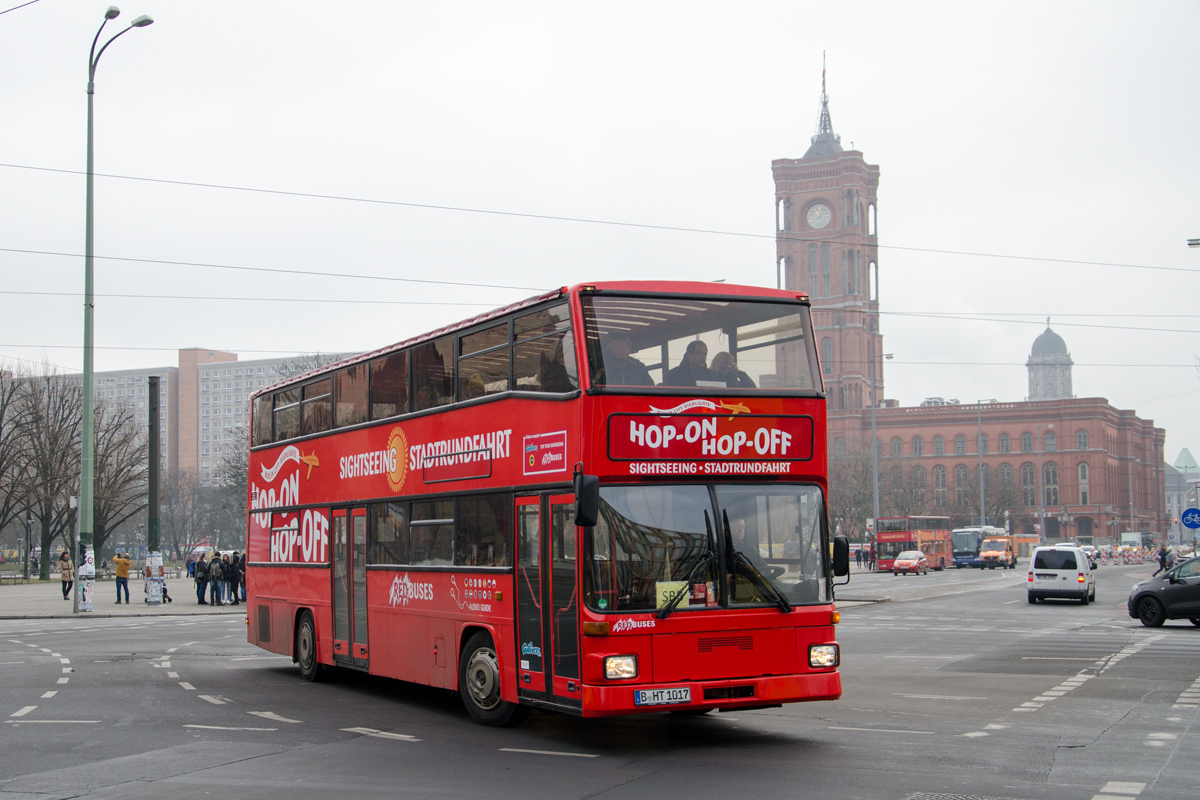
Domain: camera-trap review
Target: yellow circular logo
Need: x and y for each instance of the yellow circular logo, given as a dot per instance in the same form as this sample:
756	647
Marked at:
398	444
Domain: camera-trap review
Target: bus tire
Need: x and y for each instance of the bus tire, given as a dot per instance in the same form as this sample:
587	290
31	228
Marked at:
479	684
306	649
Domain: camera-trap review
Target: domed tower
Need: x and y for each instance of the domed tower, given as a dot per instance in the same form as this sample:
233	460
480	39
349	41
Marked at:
1049	367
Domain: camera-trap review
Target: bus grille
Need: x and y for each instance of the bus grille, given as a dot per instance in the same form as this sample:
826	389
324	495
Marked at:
712	643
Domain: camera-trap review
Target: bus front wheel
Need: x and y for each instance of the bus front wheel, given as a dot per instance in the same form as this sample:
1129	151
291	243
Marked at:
479	684
306	648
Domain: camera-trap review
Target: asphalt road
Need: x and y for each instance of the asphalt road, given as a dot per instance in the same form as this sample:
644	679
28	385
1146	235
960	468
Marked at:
958	687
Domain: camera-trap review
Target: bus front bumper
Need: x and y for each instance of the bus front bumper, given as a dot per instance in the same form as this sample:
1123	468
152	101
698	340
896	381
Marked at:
607	700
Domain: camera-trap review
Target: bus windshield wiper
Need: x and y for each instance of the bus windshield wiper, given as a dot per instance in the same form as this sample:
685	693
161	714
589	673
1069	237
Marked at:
740	558
705	560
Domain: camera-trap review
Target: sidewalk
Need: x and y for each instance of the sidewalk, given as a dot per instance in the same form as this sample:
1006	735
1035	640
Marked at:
43	600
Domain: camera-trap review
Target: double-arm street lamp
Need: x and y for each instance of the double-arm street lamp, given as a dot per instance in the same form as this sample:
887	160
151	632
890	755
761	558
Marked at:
88	445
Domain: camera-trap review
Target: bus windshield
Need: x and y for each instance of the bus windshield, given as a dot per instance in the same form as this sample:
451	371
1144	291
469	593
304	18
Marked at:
712	346
653	542
965	542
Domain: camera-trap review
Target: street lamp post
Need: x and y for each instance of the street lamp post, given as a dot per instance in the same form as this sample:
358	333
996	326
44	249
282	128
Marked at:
28	539
979	447
88	445
875	445
1041	488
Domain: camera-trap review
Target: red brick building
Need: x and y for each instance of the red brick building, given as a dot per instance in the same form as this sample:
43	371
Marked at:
1087	469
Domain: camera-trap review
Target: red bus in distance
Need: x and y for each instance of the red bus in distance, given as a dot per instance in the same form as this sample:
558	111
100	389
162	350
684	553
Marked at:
930	535
607	499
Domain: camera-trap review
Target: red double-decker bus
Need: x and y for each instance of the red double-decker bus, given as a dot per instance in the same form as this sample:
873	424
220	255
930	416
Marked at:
564	503
930	535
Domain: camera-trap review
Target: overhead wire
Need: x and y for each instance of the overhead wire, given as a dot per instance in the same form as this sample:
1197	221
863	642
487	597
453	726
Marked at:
787	235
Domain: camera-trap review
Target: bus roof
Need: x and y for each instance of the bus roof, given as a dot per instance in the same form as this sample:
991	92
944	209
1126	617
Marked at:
664	287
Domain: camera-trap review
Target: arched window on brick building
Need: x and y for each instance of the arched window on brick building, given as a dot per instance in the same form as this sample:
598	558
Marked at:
1029	484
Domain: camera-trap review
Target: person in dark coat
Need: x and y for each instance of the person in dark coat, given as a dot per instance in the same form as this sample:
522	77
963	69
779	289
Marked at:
693	367
620	368
201	572
232	577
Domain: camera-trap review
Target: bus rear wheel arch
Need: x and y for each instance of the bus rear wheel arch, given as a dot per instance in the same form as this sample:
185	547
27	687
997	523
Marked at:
479	684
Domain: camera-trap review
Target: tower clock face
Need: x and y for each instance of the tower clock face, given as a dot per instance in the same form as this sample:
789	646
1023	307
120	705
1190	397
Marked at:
819	216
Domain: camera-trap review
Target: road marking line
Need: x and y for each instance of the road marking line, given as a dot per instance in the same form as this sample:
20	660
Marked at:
52	721
63	680
23	711
67	669
49	694
16	641
1123	787
64	661
271	715
187	686
976	734
878	730
938	696
223	728
216	701
547	752
992	726
1053	658
400	737
187	644
172	650
12	662
172	674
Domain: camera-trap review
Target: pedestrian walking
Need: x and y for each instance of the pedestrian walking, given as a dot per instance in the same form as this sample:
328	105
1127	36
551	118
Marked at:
233	578
121	565
201	572
1162	560
858	554
216	581
66	573
871	558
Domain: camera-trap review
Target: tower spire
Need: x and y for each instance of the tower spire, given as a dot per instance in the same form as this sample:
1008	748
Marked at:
825	142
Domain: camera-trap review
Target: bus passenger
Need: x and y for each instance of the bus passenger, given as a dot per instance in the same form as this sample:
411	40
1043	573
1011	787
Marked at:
474	387
621	369
693	367
727	370
553	375
426	397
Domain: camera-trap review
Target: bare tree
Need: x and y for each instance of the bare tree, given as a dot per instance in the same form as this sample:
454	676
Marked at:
52	408
305	362
180	515
11	448
903	489
851	496
121	461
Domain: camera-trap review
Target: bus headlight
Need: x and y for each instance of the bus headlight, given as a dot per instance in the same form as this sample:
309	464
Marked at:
618	668
823	656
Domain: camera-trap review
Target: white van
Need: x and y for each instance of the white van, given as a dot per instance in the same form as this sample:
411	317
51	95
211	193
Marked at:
1061	571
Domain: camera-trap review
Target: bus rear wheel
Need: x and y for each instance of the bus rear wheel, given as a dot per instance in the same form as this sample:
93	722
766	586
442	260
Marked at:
479	684
306	649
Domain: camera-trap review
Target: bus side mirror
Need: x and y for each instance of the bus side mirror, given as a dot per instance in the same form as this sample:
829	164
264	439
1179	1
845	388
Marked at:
841	556
587	500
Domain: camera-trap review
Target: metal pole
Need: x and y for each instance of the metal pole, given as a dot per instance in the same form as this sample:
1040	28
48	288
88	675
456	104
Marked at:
152	410
874	449
26	573
88	443
1041	495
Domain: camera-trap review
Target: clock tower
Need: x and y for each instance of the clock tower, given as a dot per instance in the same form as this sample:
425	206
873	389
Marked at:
827	246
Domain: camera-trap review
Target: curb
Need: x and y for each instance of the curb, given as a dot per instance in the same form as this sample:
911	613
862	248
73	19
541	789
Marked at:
862	599
94	615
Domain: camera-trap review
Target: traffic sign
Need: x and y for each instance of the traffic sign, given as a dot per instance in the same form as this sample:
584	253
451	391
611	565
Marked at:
1191	518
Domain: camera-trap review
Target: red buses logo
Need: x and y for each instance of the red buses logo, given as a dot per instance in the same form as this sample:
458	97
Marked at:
403	590
631	624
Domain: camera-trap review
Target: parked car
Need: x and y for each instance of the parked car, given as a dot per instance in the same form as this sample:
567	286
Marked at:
1061	571
911	562
1175	594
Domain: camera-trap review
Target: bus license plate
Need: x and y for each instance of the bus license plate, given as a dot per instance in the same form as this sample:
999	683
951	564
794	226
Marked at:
661	697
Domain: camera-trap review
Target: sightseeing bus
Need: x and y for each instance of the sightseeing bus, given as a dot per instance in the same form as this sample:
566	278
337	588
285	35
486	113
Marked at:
930	535
559	504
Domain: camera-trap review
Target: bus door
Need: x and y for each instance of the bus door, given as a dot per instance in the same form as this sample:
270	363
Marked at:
547	606
350	586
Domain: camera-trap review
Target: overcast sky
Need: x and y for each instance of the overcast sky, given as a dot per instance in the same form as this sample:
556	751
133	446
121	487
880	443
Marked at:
1030	134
